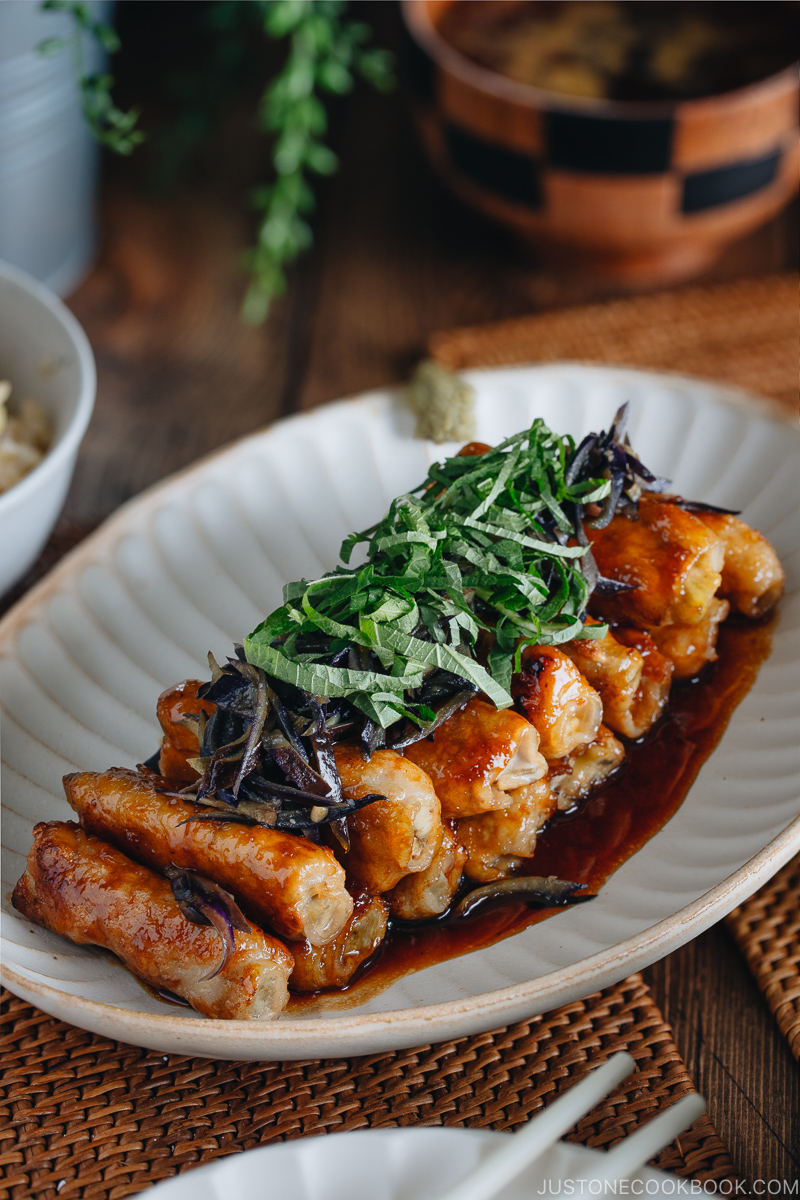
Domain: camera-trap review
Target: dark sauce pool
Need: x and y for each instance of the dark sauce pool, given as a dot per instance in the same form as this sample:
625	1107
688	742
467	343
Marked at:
611	826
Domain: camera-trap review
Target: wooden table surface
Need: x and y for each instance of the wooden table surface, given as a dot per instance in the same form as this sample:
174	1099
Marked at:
395	259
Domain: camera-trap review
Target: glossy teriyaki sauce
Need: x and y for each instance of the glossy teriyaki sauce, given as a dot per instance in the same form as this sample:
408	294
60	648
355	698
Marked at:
611	825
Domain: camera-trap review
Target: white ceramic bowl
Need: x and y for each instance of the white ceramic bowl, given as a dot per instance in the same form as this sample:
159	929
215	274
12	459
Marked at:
47	357
399	1164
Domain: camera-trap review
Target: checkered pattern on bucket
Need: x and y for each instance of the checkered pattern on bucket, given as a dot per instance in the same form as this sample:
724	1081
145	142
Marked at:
615	180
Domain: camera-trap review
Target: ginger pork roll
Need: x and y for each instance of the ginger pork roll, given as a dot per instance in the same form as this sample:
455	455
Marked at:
652	695
689	648
179	743
87	891
752	576
334	964
396	835
279	879
564	708
478	756
630	676
572	778
428	893
497	843
672	560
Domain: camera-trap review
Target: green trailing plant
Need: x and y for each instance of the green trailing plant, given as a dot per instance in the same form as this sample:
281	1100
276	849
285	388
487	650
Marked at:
108	124
326	51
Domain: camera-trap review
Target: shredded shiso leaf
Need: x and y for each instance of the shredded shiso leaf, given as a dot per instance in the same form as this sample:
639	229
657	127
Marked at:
490	543
486	556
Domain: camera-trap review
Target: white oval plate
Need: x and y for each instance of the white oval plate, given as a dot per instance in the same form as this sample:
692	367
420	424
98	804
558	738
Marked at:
392	1164
193	564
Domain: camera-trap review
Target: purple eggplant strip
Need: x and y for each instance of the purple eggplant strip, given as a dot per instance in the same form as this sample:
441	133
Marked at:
609	454
232	692
204	902
611	587
266	789
531	889
286	726
322	745
296	769
286	818
698	506
446	711
580	459
609	505
373	737
657	482
233	818
252	751
172	997
620	423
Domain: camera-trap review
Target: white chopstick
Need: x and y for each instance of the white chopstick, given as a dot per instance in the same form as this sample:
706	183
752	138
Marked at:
543	1131
633	1152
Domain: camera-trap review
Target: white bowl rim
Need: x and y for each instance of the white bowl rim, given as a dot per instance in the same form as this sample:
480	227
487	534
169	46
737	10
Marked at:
213	1177
73	434
410	1026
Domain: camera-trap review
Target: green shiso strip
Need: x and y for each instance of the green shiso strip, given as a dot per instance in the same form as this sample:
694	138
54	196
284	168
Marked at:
481	544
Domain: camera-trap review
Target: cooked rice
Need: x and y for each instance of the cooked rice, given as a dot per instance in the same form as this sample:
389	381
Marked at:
25	438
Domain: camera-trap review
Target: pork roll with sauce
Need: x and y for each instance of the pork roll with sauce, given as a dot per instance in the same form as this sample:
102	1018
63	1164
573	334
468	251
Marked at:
672	559
393	836
572	779
175	709
752	577
335	964
478	757
497	843
557	700
428	893
630	676
89	892
691	647
277	878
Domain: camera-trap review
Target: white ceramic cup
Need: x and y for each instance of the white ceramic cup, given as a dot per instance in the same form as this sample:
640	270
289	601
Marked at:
48	157
47	357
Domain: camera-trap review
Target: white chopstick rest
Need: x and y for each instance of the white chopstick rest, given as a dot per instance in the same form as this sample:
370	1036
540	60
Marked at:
543	1131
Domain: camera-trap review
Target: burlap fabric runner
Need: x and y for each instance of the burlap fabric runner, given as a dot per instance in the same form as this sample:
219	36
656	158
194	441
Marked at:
743	333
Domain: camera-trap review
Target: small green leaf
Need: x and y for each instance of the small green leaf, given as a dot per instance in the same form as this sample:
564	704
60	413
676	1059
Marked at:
51	46
321	53
377	67
320	159
108	124
334	77
283	16
106	36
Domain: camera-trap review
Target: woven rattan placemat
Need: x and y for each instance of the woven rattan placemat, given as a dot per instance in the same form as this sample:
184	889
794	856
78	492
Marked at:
767	928
743	333
82	1116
